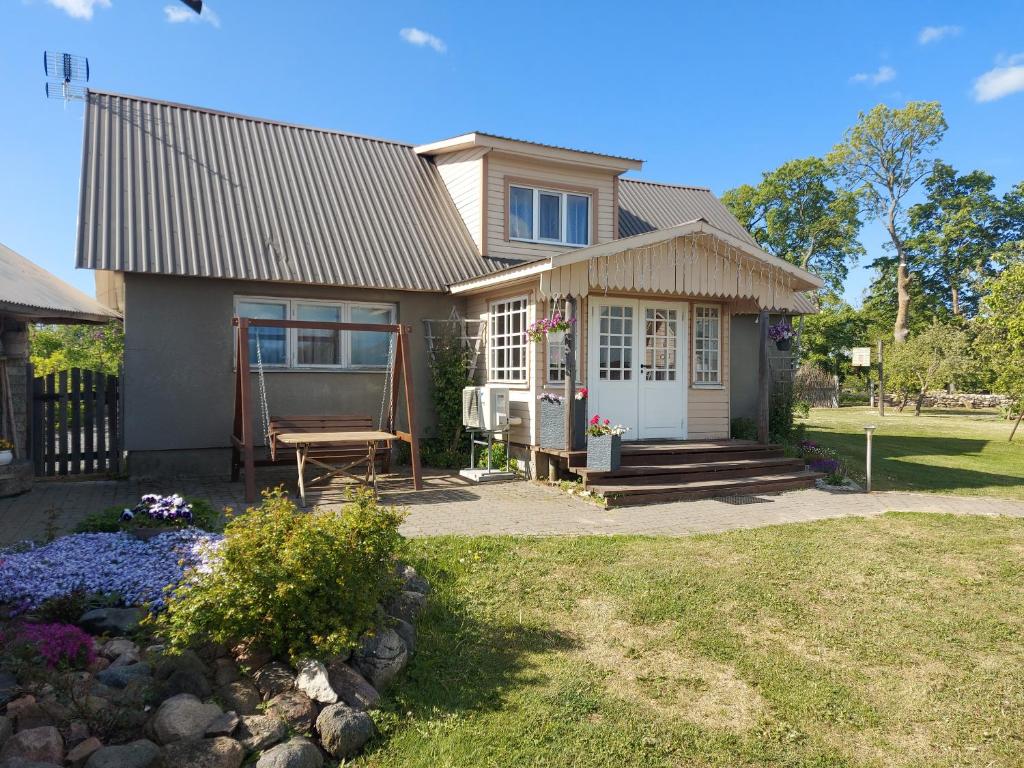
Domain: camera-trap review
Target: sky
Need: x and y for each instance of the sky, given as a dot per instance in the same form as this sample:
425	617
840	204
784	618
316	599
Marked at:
711	94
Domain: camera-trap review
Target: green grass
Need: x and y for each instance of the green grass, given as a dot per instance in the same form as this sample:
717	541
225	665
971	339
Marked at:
890	641
958	452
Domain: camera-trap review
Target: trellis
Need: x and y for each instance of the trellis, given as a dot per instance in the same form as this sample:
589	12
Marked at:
470	332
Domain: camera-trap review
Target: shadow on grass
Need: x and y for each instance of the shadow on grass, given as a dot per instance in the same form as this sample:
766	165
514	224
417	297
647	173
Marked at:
889	450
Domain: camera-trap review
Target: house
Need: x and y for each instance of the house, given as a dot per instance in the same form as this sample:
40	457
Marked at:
29	294
190	215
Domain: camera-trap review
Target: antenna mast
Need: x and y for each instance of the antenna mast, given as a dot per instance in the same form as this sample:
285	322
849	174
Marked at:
67	75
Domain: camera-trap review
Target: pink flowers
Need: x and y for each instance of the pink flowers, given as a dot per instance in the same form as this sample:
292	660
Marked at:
600	427
582	394
58	644
545	325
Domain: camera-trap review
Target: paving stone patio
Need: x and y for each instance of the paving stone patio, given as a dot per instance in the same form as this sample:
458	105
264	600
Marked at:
450	505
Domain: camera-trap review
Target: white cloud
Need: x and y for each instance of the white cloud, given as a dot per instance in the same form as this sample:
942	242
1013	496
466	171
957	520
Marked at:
180	14
935	34
415	36
883	75
79	9
1002	80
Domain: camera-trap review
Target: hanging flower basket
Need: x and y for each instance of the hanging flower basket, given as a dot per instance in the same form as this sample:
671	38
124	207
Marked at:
539	330
782	335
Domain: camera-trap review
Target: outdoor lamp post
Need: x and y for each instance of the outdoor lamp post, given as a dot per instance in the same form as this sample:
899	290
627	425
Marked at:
868	430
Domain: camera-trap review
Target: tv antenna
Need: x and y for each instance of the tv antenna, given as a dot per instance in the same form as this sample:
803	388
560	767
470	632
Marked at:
67	75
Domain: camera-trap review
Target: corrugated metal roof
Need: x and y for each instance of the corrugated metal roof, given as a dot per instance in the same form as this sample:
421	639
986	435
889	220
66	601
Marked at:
180	190
29	291
645	206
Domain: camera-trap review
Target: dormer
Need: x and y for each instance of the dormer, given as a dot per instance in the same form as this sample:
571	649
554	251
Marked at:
523	200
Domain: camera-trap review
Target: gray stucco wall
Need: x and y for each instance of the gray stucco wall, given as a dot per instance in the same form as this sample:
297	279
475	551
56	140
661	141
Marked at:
743	364
179	378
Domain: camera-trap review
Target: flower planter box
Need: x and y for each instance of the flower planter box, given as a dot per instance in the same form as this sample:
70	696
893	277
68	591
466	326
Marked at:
147	532
604	452
552	424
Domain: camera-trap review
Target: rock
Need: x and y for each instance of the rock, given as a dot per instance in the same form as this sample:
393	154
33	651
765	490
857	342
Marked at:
352	688
260	731
250	656
225	671
98	664
224	725
82	752
126	658
407	632
187	661
43	745
8	687
186	681
406	605
20	762
273	678
218	752
294	753
119	677
210	652
111	621
343	730
156	650
118	646
411	580
183	717
313	681
295	708
137	754
241	696
6	730
381	658
77	733
28	714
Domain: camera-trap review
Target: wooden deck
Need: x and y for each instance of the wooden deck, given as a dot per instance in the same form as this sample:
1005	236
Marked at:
657	471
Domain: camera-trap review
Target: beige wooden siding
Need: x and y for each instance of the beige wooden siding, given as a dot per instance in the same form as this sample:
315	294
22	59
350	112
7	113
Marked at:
708	408
501	167
522	397
462	173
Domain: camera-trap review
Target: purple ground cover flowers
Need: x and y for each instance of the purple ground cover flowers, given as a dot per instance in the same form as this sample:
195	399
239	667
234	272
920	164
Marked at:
58	643
111	563
172	508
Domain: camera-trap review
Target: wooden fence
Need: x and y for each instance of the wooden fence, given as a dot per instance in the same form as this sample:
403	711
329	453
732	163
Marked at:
76	423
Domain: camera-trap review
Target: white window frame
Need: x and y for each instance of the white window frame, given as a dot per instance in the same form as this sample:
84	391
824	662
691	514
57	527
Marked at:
491	349
556	338
287	336
292	334
717	381
563	195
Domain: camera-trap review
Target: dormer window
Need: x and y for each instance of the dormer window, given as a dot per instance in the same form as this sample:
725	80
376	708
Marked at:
540	215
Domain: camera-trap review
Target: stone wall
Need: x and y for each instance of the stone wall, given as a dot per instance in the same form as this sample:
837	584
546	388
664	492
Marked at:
968	400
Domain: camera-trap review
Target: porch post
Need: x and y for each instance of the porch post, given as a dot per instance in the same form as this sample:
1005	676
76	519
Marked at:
763	379
569	350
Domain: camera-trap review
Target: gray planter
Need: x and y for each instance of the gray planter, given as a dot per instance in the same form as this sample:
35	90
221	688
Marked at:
604	452
552	424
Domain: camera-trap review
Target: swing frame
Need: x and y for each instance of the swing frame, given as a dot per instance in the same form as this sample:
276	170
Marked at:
243	448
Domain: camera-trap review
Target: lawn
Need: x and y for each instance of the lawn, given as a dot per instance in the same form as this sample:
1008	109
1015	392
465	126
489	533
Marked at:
957	452
890	641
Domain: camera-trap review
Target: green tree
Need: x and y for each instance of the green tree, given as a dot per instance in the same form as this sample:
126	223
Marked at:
932	358
1001	334
883	157
798	213
828	336
92	347
954	234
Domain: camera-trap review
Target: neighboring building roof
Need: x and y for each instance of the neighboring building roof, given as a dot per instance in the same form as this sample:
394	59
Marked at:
29	292
180	190
531	149
645	206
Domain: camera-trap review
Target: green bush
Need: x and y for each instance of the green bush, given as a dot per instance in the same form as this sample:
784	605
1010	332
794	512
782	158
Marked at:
109	520
298	584
743	428
499	455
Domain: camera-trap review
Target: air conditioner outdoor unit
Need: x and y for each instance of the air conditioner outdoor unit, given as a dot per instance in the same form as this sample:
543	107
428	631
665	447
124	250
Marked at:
485	408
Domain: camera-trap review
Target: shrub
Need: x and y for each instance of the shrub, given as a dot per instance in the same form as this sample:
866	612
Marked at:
57	645
743	428
112	519
298	584
499	455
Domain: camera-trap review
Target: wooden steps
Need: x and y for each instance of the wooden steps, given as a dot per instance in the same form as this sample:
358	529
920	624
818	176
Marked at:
653	472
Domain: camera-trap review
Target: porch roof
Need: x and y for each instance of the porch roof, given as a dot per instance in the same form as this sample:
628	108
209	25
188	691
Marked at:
694	258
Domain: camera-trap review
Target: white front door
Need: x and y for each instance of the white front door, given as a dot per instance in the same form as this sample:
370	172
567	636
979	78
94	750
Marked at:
637	366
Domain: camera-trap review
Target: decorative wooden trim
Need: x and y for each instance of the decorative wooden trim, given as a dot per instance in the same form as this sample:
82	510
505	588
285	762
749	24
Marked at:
521	181
615	208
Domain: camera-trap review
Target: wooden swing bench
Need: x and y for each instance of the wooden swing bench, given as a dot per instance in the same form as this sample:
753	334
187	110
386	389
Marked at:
338	444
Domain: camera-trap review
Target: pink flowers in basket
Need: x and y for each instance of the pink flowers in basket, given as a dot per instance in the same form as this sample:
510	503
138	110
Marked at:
538	330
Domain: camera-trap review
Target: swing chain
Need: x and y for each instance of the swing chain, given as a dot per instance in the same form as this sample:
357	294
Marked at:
265	410
386	395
